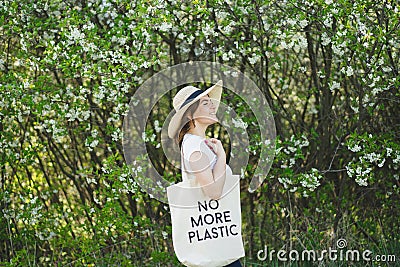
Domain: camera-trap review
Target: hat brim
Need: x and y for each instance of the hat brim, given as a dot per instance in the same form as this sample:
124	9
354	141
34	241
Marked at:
214	92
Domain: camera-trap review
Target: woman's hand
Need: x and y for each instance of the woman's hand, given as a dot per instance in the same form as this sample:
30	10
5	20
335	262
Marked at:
216	146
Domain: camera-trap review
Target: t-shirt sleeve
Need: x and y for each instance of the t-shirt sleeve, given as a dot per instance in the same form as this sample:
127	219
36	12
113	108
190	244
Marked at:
192	144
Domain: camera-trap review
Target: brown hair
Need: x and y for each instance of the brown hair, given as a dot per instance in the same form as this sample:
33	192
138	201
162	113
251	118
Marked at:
186	127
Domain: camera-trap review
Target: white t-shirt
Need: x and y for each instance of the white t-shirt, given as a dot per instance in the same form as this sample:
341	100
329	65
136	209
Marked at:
190	144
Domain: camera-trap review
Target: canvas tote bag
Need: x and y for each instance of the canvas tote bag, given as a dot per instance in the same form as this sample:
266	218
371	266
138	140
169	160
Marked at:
206	232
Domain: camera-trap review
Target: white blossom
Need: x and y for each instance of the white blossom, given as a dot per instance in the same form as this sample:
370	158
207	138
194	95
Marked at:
386	69
325	39
303	23
380	165
361	181
335	85
91	180
349	71
254	59
328	22
397	159
356	148
164	234
302	41
157	127
43	237
239	123
285	182
165	26
75	34
94	143
116	135
96	200
311	180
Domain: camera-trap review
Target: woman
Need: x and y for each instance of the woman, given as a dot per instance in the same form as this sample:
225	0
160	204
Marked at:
202	159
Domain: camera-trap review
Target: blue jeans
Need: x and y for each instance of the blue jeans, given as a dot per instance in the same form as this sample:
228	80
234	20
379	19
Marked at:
234	264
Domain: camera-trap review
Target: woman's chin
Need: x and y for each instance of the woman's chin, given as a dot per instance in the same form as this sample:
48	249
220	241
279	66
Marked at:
208	120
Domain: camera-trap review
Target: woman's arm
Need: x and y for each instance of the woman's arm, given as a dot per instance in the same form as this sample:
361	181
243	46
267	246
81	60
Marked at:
212	181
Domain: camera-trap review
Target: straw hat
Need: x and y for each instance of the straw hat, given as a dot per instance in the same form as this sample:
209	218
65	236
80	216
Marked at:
186	97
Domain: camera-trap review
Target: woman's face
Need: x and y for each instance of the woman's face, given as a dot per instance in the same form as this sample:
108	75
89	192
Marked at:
205	112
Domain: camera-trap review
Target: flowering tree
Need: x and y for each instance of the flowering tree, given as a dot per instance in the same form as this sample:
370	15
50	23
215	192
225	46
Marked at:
329	70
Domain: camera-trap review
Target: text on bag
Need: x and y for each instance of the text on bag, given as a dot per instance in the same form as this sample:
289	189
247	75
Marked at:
211	223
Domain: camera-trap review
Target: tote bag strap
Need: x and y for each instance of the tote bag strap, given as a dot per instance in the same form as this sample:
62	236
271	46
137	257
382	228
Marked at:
183	167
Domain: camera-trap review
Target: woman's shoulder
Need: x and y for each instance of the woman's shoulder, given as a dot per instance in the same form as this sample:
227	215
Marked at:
190	138
192	143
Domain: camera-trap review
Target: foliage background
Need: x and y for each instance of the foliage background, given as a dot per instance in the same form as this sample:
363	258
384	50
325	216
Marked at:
329	70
